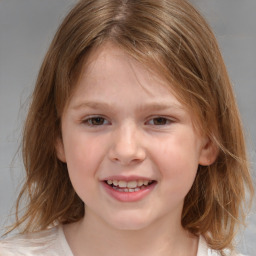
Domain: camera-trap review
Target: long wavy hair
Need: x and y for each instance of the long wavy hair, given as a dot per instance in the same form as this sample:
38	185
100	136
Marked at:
172	38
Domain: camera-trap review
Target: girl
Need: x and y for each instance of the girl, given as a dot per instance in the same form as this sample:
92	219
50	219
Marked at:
133	143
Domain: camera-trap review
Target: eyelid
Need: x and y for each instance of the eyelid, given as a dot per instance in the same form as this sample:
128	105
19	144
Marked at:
87	119
169	120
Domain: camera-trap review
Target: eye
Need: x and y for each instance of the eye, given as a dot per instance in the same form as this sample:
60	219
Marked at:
96	121
159	121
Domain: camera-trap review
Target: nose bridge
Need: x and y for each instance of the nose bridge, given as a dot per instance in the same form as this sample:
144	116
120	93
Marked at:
127	144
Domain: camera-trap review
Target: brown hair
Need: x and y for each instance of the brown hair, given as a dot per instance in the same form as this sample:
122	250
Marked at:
172	36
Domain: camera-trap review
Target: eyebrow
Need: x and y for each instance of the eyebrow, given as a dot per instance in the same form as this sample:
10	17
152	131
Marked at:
93	105
154	106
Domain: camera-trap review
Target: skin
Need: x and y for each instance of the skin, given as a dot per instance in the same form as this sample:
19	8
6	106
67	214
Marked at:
123	120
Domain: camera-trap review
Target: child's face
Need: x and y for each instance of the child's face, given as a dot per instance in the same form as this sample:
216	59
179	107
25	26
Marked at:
123	124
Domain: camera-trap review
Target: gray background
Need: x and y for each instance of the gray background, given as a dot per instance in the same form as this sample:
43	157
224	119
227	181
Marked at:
26	29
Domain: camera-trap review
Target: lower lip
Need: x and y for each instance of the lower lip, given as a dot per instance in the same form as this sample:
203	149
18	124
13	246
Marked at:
128	196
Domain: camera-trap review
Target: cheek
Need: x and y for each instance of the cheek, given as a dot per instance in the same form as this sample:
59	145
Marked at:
82	151
177	161
83	156
182	150
178	172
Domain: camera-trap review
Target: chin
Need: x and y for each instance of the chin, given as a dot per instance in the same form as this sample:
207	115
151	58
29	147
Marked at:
129	222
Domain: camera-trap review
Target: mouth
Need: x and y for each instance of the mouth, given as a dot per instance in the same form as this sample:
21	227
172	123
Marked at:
129	186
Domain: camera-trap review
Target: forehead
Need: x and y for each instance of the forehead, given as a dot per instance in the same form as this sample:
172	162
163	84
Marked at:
110	68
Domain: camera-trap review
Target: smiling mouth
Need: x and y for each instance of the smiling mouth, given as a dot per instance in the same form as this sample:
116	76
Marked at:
129	186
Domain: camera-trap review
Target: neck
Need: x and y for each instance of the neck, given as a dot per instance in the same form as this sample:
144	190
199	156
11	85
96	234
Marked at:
90	237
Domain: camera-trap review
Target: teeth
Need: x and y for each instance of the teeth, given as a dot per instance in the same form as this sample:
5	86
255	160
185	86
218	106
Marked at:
126	189
122	184
132	184
129	186
140	183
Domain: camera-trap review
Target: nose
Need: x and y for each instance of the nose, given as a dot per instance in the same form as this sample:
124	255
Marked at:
126	147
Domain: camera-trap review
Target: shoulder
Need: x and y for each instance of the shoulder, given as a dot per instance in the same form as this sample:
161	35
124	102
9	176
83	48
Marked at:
205	250
38	243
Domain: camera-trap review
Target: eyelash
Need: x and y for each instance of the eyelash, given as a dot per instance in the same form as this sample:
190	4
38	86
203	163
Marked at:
90	121
166	120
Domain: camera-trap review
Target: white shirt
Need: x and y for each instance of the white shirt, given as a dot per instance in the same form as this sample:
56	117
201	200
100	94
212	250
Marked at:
52	242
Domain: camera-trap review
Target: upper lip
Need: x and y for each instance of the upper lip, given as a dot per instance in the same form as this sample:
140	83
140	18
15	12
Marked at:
126	178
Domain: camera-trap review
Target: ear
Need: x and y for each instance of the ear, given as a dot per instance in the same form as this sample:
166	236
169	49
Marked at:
209	153
59	147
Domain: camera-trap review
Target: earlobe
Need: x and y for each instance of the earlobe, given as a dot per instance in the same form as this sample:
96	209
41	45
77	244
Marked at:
209	153
59	147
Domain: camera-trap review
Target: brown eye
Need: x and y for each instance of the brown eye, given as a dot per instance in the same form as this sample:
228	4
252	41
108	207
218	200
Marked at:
160	121
96	121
